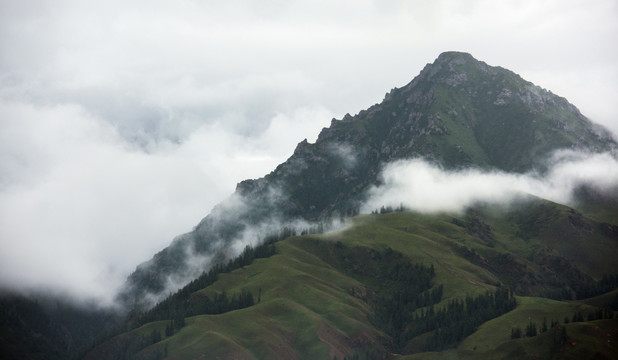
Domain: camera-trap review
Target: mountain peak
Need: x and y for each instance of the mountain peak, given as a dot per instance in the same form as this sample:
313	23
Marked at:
453	68
458	56
458	112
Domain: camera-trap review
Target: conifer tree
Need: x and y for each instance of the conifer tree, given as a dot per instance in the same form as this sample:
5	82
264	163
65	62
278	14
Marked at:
531	329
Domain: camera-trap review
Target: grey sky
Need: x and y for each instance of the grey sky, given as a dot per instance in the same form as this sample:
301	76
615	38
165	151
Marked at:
123	122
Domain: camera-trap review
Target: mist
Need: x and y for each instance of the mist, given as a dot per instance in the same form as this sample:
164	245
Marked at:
81	206
423	186
222	236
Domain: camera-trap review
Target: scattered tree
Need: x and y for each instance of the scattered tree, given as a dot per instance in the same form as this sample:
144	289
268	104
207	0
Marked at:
531	329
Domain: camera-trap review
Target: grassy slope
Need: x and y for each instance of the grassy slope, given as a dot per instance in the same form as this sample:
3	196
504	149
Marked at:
302	300
307	310
590	340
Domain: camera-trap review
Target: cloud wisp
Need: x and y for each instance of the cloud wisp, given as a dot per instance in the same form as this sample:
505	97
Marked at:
236	223
422	186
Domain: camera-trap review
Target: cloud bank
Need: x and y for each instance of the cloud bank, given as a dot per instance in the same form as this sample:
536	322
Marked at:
80	206
423	186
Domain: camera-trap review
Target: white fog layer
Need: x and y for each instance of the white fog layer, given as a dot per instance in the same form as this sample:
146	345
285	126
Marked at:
422	186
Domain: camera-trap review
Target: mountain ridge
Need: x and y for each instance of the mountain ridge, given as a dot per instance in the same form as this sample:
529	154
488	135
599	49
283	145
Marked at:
458	112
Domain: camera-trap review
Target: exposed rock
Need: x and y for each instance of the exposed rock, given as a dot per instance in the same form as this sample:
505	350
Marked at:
610	230
503	97
559	124
456	79
577	220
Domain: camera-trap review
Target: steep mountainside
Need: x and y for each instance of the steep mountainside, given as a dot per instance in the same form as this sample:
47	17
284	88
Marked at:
458	112
403	285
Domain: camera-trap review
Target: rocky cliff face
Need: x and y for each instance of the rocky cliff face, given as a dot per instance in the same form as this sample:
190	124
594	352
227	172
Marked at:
458	112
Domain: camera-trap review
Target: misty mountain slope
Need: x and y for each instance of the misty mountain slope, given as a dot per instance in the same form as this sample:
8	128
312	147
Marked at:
458	113
336	295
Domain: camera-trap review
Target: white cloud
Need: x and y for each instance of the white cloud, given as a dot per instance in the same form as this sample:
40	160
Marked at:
422	186
80	206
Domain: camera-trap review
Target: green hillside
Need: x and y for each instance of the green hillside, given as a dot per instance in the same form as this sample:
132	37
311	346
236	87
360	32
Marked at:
366	292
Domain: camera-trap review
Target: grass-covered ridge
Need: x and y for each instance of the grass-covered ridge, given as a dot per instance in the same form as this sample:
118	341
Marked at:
333	295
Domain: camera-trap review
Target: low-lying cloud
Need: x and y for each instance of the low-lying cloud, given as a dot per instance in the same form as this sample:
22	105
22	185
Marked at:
81	206
422	186
233	225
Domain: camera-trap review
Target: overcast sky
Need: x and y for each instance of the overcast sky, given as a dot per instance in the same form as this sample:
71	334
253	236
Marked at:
123	122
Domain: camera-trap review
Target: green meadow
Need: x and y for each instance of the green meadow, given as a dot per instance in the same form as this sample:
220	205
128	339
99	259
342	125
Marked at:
316	297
